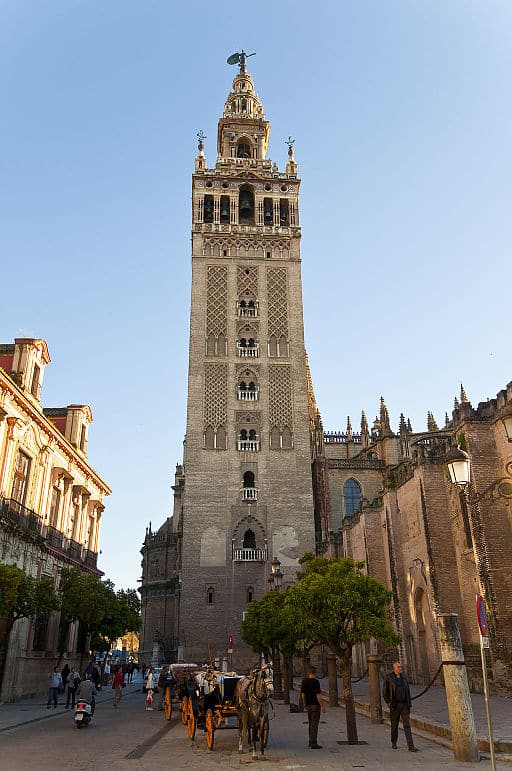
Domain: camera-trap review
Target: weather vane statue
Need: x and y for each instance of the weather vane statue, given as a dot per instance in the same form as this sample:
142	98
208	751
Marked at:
290	142
200	140
239	58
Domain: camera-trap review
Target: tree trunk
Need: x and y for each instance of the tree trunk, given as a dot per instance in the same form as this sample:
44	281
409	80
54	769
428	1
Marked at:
348	698
4	647
286	679
278	680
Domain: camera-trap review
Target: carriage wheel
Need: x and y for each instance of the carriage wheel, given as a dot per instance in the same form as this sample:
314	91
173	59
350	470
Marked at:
210	729
191	721
168	703
184	710
264	732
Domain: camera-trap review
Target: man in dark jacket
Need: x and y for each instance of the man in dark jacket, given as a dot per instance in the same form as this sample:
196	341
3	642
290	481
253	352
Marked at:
397	696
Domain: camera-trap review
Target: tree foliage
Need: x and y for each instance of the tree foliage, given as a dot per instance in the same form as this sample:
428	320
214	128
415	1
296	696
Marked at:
103	612
22	596
347	607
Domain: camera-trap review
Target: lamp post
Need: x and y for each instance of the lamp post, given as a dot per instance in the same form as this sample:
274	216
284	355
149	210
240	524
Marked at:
275	584
459	468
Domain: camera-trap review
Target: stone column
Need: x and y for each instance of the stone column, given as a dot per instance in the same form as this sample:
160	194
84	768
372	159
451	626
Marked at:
460	709
333	680
374	663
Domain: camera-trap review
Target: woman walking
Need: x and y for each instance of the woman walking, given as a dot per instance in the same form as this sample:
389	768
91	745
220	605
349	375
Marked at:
118	685
149	689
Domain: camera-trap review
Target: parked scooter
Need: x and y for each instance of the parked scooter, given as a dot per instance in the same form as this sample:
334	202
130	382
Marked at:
83	713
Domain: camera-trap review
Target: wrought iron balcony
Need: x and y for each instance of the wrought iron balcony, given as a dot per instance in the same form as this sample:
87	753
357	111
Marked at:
249	555
30	525
249	493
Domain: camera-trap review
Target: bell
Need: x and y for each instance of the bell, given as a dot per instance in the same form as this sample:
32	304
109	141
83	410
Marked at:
224	209
246	204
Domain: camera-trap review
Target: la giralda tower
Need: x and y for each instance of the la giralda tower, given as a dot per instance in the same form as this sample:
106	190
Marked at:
248	491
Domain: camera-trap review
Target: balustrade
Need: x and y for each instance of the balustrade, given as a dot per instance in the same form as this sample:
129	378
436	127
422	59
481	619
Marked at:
250	445
249	493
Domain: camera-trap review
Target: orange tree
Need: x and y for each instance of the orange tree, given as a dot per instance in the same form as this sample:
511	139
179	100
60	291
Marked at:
345	607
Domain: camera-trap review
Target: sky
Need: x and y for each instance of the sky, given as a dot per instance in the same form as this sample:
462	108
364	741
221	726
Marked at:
401	114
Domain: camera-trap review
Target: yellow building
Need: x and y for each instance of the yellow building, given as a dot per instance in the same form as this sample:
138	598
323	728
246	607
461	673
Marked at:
51	504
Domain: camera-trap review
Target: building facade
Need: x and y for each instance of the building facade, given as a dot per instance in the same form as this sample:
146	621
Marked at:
51	505
392	506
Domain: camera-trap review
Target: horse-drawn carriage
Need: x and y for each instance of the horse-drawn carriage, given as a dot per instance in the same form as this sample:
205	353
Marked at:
208	702
212	700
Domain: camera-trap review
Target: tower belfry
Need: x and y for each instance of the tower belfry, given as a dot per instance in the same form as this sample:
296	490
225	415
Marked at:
248	493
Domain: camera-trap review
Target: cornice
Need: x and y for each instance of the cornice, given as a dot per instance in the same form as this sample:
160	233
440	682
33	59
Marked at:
46	425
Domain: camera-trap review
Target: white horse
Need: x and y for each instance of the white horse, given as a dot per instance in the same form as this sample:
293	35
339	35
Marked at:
252	700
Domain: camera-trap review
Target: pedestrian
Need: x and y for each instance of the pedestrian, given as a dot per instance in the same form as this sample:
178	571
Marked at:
106	673
129	671
311	695
65	673
397	695
96	676
72	684
118	685
54	686
149	689
87	692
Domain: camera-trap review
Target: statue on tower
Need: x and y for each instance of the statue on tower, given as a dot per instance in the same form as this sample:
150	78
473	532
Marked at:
239	58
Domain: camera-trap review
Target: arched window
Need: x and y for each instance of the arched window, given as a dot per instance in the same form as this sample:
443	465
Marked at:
275	439
208	208
272	346
243	150
351	497
248	479
252	435
224	208
249	540
268	211
209	438
210	595
221	438
243	435
243	385
246	205
287	439
250	594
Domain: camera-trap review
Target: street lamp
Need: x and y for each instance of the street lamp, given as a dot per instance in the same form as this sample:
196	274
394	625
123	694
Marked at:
275	582
277	575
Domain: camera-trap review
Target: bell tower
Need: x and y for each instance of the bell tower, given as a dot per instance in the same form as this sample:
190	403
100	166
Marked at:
248	493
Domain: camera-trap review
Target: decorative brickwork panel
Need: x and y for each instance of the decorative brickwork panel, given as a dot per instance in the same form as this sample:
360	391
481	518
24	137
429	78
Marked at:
247	281
280	396
277	302
215	395
217	300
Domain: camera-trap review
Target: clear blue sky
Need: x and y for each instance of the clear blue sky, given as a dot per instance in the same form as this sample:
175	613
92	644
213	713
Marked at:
401	113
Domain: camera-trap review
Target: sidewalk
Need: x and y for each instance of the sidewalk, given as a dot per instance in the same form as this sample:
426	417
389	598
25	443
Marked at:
33	710
430	713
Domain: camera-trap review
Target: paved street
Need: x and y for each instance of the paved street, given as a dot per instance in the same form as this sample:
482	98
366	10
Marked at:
131	738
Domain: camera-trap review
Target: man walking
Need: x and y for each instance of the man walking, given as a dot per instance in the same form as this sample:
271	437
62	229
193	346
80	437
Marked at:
72	685
311	695
54	686
397	696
